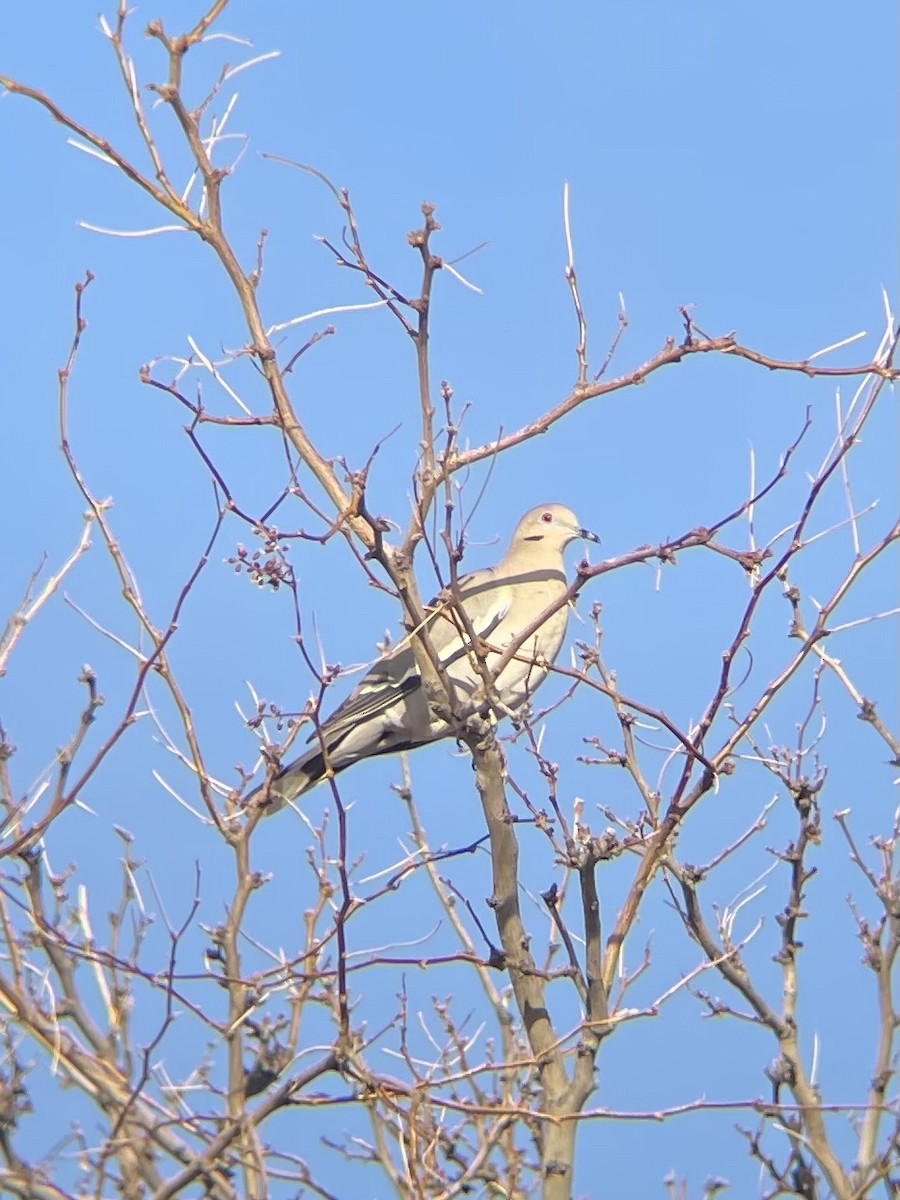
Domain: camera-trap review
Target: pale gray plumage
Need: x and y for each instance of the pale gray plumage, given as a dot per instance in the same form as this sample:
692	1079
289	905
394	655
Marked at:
388	710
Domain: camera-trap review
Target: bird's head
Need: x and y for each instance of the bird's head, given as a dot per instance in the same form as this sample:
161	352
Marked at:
551	525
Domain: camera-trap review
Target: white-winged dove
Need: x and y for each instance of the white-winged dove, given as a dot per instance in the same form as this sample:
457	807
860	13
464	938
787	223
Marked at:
388	710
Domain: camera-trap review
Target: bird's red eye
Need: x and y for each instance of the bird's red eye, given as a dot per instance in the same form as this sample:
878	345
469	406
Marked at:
546	517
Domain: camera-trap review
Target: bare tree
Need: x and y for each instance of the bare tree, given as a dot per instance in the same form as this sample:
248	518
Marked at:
184	1057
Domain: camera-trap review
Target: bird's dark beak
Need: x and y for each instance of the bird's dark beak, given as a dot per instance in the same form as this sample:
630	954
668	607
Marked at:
588	536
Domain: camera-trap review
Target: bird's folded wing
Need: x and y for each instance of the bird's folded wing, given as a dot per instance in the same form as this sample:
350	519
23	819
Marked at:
385	684
396	675
486	601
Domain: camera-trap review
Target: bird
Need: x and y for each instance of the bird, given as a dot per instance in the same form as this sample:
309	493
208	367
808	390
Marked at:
389	711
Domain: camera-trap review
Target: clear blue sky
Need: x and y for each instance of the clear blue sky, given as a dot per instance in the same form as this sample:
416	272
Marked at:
738	158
